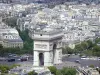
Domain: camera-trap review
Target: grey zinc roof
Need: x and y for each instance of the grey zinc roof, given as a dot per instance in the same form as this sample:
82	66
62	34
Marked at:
14	40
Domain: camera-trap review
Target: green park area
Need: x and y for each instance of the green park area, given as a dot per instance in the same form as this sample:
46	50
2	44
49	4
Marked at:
64	71
4	69
55	71
89	48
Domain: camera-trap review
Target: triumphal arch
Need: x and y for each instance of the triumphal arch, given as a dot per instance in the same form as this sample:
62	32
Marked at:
47	47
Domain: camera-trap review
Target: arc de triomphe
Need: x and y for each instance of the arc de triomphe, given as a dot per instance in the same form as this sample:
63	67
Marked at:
47	48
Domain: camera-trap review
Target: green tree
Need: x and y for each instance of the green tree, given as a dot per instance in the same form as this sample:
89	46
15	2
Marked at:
88	48
32	73
68	71
88	52
92	66
58	72
96	48
1	50
67	50
90	44
97	40
84	45
28	42
4	68
1	47
52	69
78	47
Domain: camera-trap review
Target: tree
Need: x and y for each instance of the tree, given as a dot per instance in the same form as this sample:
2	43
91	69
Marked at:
96	48
1	47
88	52
97	40
68	71
1	50
92	66
4	68
52	69
67	50
28	42
84	45
78	48
32	73
90	44
58	72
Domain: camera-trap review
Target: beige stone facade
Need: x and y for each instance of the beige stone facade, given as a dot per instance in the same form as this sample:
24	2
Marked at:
12	44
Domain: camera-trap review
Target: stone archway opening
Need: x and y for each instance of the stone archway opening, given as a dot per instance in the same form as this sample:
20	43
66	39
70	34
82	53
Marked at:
41	59
54	51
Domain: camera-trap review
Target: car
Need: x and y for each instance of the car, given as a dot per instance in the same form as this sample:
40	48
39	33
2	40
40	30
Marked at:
11	60
23	59
19	59
2	59
10	55
99	58
73	54
83	57
77	61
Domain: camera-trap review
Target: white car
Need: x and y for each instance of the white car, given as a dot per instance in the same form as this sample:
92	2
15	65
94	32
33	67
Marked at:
99	58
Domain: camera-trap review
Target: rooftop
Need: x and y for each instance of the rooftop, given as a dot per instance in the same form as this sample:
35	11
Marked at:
14	40
48	31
